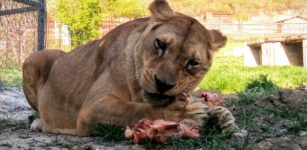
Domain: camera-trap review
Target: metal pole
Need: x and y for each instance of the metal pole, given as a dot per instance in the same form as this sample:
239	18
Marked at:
42	18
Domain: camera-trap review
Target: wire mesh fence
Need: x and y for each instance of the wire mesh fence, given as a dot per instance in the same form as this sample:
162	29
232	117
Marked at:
18	38
58	35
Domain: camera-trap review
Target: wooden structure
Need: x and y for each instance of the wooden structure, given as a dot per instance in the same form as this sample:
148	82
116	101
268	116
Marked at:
286	50
293	25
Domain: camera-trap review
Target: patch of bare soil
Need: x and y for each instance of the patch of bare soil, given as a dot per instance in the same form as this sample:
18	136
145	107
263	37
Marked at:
289	131
22	138
283	143
286	98
15	133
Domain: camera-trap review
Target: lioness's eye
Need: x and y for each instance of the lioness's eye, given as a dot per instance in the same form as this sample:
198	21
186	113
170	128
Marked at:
161	46
193	63
190	65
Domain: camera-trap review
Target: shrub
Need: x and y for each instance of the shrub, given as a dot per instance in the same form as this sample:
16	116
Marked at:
83	18
256	89
261	84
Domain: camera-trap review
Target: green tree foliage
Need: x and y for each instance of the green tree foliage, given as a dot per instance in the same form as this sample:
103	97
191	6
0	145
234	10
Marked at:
124	8
83	18
277	6
242	9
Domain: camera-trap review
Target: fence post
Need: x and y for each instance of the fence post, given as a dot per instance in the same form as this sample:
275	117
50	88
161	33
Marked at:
305	53
42	17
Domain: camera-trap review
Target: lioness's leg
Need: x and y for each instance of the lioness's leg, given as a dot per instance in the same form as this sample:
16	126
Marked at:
124	113
35	70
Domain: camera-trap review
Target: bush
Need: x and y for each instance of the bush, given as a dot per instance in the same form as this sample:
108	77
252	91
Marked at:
83	18
256	89
261	84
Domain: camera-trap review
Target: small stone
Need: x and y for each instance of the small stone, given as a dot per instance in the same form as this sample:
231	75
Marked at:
241	133
282	131
302	141
303	133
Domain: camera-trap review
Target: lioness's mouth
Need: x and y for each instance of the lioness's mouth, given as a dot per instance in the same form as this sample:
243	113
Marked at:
159	96
158	99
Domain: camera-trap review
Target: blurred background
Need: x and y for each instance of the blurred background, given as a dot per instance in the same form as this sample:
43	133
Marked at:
30	25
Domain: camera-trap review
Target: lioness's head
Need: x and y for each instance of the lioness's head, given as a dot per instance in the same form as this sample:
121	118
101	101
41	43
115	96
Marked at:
173	54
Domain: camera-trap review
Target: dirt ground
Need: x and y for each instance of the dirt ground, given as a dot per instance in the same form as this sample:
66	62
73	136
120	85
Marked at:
290	100
15	134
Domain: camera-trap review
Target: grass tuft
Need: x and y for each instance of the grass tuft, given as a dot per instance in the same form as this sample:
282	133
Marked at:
3	123
290	119
33	116
209	139
109	133
256	89
261	84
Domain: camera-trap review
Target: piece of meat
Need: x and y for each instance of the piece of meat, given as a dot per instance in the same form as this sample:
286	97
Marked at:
160	131
189	130
212	99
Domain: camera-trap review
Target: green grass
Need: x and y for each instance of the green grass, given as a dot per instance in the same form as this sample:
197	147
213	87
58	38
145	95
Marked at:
261	122
11	77
3	123
33	116
108	133
209	139
229	75
268	122
256	89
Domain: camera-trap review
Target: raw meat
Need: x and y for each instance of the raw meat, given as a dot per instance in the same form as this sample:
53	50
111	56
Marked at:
211	99
160	130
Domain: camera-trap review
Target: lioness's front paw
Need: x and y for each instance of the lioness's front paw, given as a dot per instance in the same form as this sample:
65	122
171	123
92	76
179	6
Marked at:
231	127
226	120
36	125
198	112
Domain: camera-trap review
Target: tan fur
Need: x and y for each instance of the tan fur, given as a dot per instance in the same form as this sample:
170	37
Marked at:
105	81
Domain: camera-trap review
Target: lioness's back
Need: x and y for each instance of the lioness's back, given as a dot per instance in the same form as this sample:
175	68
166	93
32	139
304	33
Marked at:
74	74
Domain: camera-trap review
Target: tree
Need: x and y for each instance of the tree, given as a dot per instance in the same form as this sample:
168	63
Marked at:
242	9
124	8
83	18
278	6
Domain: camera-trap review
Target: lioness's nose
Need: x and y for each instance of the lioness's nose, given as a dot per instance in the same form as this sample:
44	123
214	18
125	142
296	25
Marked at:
162	85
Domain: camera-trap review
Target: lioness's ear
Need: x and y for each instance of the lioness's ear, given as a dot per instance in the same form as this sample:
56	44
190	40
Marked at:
160	10
217	39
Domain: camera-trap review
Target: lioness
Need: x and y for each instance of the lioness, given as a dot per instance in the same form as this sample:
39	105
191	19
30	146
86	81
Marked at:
136	71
